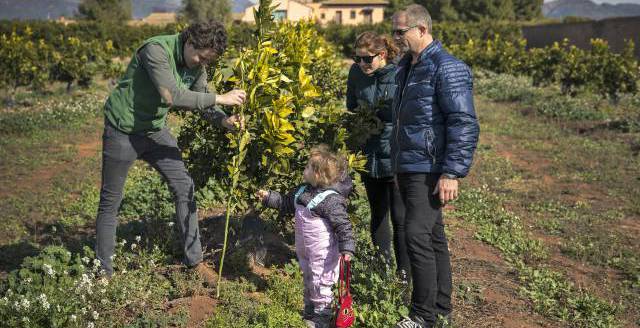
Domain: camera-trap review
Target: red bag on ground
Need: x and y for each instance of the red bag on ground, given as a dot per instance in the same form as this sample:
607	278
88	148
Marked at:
344	313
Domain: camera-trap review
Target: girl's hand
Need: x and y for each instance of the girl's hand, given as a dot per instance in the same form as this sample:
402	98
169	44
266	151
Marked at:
262	194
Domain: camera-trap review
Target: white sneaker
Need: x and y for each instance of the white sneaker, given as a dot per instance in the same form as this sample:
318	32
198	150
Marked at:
408	323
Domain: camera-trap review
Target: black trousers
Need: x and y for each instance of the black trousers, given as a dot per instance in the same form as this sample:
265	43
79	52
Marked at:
426	245
384	198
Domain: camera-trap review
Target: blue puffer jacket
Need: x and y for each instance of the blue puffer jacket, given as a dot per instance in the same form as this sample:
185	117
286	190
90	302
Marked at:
435	124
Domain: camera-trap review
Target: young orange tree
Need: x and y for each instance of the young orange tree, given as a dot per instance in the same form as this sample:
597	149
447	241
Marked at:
294	82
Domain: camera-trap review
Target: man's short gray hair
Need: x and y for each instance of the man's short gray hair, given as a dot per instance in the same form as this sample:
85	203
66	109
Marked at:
417	15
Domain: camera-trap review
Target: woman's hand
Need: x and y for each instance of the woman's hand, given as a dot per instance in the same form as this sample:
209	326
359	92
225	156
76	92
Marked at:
262	194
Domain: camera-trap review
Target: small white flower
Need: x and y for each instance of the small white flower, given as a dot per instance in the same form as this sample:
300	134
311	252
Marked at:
85	260
54	229
65	272
133	246
90	325
28	280
83	310
138	238
94	315
73	318
25	319
96	263
24	303
85	280
48	269
43	300
171	224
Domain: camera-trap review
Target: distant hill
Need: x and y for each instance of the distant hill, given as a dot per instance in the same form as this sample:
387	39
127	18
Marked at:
37	9
53	9
586	8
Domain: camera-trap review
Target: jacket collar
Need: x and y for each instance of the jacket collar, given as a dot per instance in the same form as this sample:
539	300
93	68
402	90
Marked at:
433	48
179	52
384	71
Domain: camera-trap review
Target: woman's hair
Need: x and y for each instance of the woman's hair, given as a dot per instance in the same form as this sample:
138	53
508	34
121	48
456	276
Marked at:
203	35
327	167
375	43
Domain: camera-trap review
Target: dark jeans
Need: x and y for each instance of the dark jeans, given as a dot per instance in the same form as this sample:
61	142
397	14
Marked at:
427	246
160	150
384	198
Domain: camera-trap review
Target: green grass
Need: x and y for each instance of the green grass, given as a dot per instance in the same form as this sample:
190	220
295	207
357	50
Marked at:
505	204
591	190
551	293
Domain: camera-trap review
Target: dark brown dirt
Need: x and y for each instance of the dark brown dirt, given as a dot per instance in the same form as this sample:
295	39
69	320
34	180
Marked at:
199	308
498	303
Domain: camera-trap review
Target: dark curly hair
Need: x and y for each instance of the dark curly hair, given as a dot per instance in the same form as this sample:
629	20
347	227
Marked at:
203	35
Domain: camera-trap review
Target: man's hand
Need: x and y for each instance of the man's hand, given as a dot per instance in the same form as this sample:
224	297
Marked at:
233	122
447	189
232	98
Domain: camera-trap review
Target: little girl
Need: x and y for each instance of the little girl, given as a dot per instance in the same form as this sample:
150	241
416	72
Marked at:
323	231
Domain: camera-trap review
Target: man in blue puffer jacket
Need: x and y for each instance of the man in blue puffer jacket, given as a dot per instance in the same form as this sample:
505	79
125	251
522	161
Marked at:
434	137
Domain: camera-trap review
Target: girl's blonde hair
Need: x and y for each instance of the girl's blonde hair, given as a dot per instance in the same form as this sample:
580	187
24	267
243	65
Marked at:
375	43
327	167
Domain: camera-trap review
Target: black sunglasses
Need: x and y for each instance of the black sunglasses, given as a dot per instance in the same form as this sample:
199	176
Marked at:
401	32
365	59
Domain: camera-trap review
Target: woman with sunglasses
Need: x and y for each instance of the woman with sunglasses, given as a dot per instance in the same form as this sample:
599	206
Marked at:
371	84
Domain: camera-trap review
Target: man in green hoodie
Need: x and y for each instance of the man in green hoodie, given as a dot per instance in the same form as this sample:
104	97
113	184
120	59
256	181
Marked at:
166	72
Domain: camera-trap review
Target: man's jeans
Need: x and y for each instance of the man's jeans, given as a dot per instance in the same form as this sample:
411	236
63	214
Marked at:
427	246
160	150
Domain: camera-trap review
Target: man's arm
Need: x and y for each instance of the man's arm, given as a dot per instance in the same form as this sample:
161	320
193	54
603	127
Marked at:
212	114
156	62
455	99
